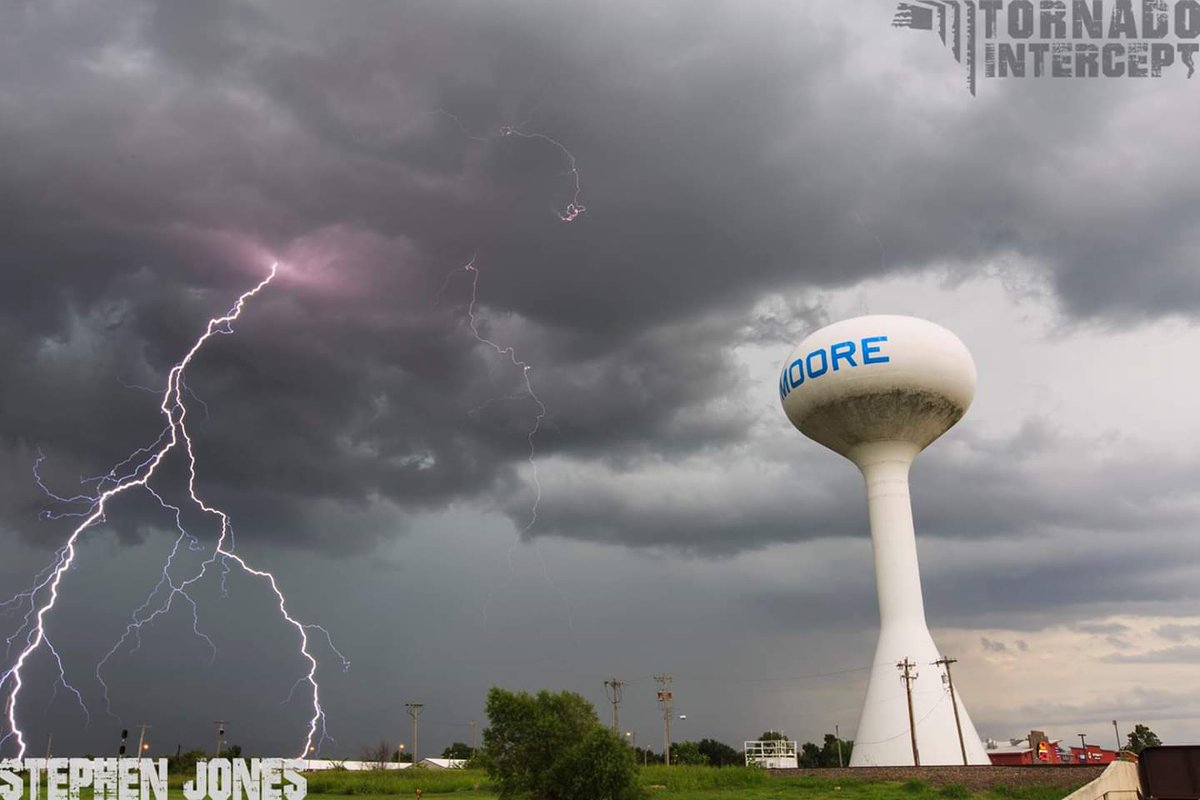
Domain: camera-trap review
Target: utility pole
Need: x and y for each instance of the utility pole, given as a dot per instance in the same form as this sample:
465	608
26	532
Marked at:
837	734
908	676
946	661
473	724
142	728
664	698
612	688
1118	733
414	711
220	735
1083	744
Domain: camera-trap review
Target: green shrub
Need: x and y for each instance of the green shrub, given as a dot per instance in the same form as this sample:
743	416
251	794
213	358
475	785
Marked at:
551	746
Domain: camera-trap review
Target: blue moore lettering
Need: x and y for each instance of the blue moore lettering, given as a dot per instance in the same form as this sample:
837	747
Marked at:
820	361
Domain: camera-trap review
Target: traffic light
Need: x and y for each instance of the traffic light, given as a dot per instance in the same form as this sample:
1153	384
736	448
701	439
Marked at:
124	736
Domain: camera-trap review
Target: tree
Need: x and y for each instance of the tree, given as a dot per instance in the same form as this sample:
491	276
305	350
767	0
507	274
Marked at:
773	736
688	753
378	755
809	755
829	752
457	750
186	762
551	746
720	754
599	768
1142	737
825	754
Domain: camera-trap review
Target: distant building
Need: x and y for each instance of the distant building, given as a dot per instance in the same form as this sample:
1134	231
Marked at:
444	763
319	764
1033	749
771	754
1095	754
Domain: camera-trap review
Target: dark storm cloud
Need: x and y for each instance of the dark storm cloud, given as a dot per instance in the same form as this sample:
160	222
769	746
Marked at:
1024	485
156	155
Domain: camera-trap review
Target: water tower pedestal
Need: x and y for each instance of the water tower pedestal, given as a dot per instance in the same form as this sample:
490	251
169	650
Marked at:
903	633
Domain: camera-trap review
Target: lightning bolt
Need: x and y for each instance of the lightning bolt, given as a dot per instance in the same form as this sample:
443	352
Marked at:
570	213
511	354
135	472
575	207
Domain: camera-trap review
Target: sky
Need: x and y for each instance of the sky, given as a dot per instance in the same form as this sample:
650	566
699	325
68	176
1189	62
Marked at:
748	172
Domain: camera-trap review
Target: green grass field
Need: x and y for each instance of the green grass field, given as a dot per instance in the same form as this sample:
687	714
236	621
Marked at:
674	783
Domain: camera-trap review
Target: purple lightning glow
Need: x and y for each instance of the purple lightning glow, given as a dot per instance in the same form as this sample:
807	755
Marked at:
123	477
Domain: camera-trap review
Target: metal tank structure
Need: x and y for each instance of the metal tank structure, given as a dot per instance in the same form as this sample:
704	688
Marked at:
878	390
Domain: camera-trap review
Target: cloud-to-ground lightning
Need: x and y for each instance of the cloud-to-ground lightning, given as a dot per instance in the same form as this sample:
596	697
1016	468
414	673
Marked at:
136	472
507	351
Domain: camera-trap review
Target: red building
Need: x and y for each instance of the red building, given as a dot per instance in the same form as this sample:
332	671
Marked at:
1095	755
1033	749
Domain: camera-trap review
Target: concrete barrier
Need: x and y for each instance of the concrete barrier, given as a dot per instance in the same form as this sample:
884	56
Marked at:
1119	781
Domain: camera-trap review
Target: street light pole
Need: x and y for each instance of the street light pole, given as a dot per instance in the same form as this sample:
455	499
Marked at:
142	746
1117	731
1083	744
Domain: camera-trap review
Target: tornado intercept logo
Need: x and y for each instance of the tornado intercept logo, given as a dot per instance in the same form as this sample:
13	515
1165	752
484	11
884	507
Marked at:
1061	39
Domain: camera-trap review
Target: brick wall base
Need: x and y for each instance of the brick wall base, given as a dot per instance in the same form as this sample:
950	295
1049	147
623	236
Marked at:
979	778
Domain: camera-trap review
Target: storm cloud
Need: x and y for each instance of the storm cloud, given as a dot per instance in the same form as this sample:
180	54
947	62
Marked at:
746	168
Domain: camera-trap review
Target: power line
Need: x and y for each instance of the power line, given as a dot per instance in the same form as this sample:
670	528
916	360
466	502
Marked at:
927	715
780	679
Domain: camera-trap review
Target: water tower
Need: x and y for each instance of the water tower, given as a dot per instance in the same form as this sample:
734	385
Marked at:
878	390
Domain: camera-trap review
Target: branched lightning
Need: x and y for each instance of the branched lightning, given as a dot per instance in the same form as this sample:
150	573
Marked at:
136	471
570	213
509	352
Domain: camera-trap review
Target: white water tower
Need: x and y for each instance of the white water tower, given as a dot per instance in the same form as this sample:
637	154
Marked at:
878	390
